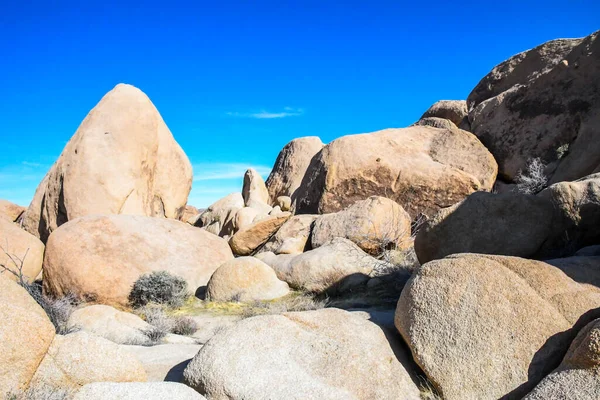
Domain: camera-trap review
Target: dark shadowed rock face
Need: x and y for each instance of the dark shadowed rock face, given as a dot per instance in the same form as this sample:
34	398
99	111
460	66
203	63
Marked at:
542	103
421	168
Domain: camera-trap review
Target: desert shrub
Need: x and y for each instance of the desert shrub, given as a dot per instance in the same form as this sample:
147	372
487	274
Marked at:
184	326
533	179
155	335
159	287
59	310
562	151
290	303
155	315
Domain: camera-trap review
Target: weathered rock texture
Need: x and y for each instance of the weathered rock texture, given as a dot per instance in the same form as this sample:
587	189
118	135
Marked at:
578	375
122	160
326	354
219	217
539	100
292	237
137	390
454	111
20	252
25	335
245	279
10	211
421	168
555	223
254	190
100	257
375	224
80	358
247	240
291	166
484	327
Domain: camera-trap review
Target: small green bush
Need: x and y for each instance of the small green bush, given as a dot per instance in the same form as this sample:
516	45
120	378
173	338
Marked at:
159	287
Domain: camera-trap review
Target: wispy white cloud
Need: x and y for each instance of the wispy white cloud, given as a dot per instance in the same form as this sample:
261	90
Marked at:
220	171
263	114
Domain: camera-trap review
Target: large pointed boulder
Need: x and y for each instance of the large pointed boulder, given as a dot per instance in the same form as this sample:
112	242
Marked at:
122	160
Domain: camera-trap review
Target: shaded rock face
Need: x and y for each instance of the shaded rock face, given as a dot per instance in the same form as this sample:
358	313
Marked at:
539	101
375	224
100	257
19	250
421	168
80	358
291	166
325	354
555	223
577	376
245	279
247	240
219	217
122	160
292	237
333	267
454	111
484	327
25	336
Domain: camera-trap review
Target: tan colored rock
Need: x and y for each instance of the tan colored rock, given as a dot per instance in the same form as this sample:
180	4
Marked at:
189	212
555	223
375	224
25	335
80	358
503	224
10	211
539	102
291	166
137	391
164	362
485	327
578	376
436	122
279	262
219	217
333	267
122	160
254	190
325	354
245	279
100	257
292	237
249	239
454	111
244	217
284	203
117	326
19	250
421	168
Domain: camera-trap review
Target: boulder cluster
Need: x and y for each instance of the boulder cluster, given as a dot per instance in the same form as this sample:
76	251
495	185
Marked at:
458	258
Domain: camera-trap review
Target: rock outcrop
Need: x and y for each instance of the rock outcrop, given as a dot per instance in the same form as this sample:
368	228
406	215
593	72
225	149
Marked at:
539	103
254	191
292	237
375	225
219	217
100	257
291	165
10	211
247	240
137	390
421	168
454	111
325	354
25	336
122	160
245	279
485	327
20	252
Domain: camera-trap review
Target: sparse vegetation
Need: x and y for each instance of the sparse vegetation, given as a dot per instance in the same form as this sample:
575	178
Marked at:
290	303
158	287
562	151
184	326
163	323
59	310
533	179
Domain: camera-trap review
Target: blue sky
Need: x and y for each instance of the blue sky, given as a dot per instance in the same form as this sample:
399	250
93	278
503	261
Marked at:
236	80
